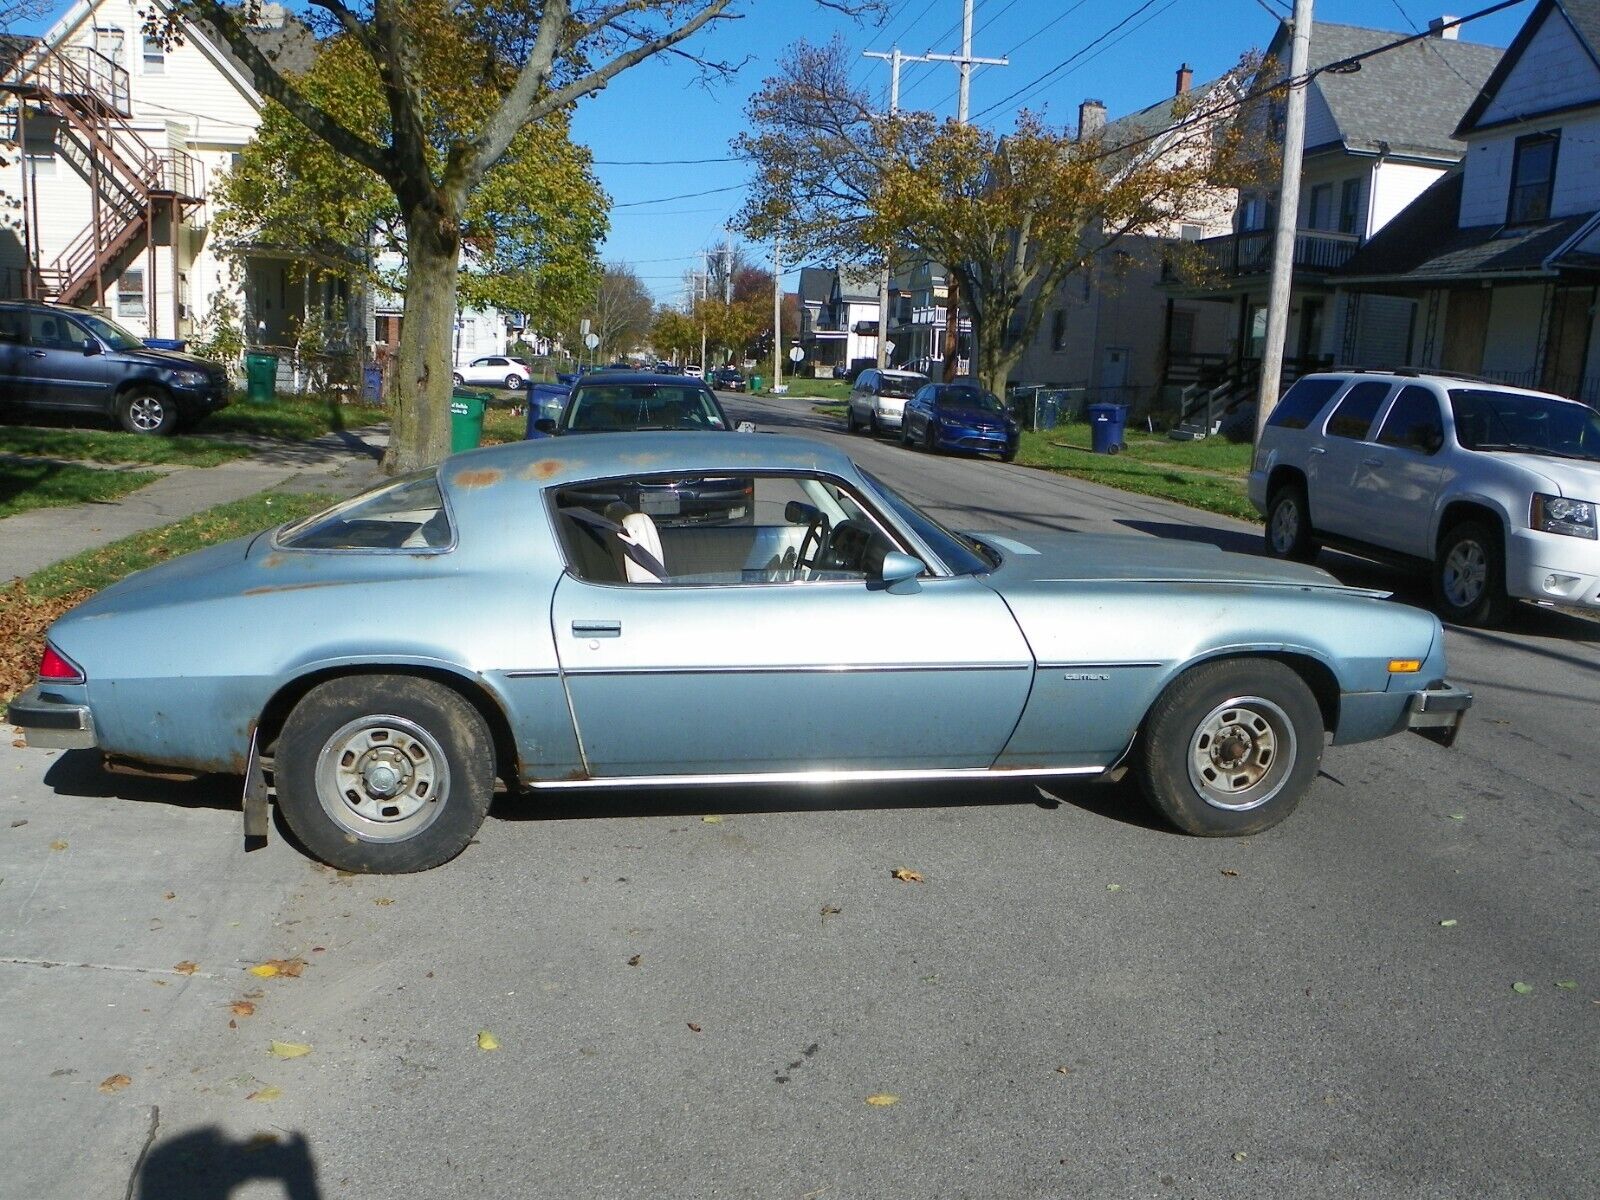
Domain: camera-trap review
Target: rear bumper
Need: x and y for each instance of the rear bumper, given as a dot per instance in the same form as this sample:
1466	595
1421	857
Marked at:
51	721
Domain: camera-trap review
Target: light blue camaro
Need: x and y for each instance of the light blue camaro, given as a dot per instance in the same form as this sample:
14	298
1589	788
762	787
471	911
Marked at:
697	608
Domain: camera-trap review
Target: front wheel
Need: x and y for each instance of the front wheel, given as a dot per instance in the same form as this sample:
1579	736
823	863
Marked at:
1469	576
147	411
513	383
456	379
384	773
1289	525
1231	747
930	438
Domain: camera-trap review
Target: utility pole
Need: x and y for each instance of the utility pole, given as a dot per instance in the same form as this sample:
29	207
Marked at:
895	60
777	312
727	267
705	282
965	61
1294	139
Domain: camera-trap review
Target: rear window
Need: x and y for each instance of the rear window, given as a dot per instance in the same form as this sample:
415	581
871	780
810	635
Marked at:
408	514
1354	415
1301	403
619	407
900	386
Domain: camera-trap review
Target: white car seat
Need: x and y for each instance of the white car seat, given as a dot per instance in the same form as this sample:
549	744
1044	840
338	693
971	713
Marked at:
640	531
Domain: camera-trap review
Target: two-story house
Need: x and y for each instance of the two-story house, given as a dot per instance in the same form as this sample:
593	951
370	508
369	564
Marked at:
1498	264
1377	134
838	318
122	137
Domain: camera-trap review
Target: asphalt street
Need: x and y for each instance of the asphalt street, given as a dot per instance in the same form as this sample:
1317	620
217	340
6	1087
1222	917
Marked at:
694	993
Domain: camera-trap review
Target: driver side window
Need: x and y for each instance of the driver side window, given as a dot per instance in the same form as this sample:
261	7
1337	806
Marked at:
719	530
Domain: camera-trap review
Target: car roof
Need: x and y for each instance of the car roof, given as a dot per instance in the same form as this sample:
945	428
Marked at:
1442	378
550	462
607	376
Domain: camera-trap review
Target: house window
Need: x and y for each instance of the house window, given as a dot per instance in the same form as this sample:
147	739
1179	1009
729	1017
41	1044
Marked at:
1182	340
42	162
1191	233
130	293
1320	213
1349	206
1058	330
155	56
1533	177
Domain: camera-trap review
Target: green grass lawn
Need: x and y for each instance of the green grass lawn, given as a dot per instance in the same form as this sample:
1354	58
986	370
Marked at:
296	418
28	485
104	446
826	389
1211	454
1145	468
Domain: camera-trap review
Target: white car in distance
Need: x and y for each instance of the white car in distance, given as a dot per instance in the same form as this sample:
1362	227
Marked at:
496	371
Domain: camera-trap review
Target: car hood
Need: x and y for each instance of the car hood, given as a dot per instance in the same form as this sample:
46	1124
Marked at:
972	416
1573	478
173	360
1085	557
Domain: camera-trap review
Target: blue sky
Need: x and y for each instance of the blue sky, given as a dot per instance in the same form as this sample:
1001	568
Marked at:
662	111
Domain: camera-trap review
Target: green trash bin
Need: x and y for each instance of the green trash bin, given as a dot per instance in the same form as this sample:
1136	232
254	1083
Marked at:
261	372
466	420
755	384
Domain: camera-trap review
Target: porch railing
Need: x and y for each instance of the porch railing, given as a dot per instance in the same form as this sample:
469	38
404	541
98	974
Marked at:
1250	253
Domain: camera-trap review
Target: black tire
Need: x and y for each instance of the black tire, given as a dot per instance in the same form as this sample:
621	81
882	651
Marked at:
446	773
850	418
147	411
905	432
1230	747
1288	532
513	383
1469	575
456	379
930	438
873	429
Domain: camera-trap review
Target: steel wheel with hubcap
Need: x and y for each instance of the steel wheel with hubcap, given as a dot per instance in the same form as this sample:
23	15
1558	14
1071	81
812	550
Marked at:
1231	746
1469	576
384	773
147	411
1288	532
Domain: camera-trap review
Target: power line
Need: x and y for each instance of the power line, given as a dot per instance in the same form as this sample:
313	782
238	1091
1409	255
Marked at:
1043	29
659	162
732	187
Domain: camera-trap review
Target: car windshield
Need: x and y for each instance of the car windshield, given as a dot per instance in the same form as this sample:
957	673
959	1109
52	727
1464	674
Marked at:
617	407
109	332
969	397
1493	420
963	555
404	514
900	386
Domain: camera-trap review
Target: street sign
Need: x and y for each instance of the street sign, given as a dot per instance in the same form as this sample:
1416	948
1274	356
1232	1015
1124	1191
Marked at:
583	327
888	346
796	353
591	340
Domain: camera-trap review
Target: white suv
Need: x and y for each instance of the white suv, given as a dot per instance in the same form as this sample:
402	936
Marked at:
878	399
1491	489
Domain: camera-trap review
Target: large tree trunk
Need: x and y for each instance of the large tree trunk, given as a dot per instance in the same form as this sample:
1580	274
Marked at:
419	422
994	354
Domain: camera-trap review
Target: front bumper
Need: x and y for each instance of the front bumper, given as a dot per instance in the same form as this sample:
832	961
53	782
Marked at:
976	441
50	721
1553	568
1438	712
207	398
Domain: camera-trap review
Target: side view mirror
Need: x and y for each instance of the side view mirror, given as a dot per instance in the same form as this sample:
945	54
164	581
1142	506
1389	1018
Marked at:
745	427
545	425
90	346
899	573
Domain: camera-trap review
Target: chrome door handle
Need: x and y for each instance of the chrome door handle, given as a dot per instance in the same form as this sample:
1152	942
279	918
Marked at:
1317	450
596	629
1372	462
35	353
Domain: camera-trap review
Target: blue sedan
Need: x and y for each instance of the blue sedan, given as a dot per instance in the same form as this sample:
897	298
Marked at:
959	416
521	612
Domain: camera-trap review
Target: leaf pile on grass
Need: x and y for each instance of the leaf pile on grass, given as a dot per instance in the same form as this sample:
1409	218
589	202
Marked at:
28	606
30	485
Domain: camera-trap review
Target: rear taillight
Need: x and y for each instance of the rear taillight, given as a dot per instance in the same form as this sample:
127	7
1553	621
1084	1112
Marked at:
56	667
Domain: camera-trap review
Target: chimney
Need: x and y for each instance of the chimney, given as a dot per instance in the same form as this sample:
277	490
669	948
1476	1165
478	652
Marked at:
1091	120
1436	28
1185	78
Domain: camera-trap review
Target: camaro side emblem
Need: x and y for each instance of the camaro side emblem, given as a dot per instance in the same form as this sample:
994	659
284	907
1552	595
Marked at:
1086	676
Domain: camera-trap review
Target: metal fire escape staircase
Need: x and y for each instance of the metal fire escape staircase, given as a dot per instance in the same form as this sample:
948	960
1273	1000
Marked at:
135	185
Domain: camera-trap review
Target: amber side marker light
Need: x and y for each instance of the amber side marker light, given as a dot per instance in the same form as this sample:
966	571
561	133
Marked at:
1404	666
56	667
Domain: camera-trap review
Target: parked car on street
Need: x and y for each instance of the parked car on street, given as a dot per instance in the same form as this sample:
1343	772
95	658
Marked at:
879	398
1490	490
728	379
496	370
694	370
959	416
54	358
554	638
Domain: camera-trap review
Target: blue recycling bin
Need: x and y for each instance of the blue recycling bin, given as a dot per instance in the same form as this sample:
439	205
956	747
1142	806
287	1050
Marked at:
1107	422
372	383
1046	411
166	344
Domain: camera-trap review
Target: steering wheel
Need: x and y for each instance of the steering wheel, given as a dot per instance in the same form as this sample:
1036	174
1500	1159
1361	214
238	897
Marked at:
815	542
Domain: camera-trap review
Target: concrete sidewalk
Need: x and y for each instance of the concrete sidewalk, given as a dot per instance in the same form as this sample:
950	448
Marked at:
342	462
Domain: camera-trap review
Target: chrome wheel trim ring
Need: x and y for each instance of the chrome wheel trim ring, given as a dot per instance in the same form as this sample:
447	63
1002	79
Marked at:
146	412
382	778
1285	525
1242	753
1466	571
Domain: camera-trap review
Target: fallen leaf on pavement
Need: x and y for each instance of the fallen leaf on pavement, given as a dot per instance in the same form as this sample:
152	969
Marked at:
1239	1156
1063	1070
882	1099
1520	988
290	967
186	967
1458	816
693	1028
712	818
242	1008
1570	985
1113	887
289	1050
1229	872
19	822
830	910
58	844
1449	924
267	1093
383	901
634	961
907	875
19	744
260	1141
170	896
114	1083
487	1040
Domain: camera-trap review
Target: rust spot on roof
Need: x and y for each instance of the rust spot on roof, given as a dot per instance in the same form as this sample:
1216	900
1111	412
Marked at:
544	468
478	477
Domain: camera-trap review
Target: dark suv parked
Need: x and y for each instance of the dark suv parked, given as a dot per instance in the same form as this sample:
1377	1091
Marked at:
59	359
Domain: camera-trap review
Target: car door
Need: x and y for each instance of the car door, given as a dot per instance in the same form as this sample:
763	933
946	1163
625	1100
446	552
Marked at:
1398	477
751	669
476	371
861	397
56	372
1334	458
914	418
13	335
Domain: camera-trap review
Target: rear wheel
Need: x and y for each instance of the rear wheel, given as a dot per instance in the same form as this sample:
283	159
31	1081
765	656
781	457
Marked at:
1469	575
456	379
850	419
384	773
1288	532
1231	747
513	383
148	411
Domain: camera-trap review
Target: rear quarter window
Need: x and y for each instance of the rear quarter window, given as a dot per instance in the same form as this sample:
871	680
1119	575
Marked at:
1301	403
408	514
